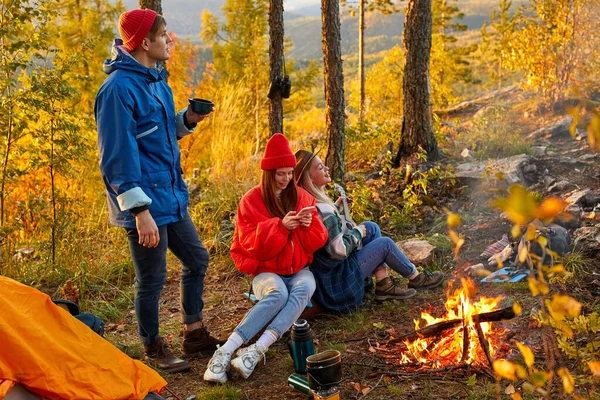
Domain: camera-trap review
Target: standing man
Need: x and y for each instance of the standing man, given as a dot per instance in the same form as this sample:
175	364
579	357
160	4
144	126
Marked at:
138	130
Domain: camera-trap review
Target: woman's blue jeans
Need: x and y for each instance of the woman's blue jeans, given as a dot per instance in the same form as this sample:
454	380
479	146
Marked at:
150	266
280	299
378	250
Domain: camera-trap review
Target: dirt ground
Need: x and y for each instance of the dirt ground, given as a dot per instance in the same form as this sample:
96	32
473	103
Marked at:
369	373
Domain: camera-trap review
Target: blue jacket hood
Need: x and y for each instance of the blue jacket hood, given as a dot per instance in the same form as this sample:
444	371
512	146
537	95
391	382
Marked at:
121	59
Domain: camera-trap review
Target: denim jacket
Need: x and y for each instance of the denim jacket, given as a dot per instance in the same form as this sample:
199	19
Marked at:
138	130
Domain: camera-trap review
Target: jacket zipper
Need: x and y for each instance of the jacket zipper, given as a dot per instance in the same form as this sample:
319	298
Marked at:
292	263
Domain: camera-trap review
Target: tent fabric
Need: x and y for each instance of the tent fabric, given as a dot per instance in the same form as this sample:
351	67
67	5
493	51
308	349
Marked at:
58	357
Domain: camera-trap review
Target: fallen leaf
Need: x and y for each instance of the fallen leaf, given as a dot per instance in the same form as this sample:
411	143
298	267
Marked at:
567	380
510	389
527	354
505	369
594	367
365	389
372	349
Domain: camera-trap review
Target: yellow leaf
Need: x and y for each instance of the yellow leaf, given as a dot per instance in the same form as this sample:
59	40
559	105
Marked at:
453	236
453	220
567	380
533	286
530	234
539	377
536	287
565	305
505	369
515	231
557	269
594	367
521	373
523	253
517	309
542	241
550	208
499	175
516	396
527	354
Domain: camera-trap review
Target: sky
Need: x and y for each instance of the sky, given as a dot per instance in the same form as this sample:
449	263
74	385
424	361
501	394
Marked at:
291	5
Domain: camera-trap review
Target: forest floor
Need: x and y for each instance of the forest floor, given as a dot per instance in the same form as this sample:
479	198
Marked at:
369	371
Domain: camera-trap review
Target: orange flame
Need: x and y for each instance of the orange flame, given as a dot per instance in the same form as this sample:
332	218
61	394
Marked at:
448	348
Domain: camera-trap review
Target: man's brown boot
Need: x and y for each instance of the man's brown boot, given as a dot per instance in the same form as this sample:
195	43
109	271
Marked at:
158	355
199	340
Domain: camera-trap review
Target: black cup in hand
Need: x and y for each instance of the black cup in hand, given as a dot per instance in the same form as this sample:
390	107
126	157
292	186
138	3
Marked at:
201	106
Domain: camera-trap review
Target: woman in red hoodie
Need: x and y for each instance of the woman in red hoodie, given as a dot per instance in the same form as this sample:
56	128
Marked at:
276	234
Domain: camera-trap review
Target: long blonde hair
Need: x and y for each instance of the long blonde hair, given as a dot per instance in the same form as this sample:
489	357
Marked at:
307	184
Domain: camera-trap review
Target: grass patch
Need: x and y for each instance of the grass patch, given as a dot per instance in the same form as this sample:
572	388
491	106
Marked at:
492	136
341	347
576	263
220	392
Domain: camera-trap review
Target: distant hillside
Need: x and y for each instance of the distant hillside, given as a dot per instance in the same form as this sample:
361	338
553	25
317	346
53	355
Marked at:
303	25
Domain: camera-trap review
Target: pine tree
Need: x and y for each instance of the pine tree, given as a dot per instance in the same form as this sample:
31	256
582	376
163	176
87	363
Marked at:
497	40
334	90
240	56
449	63
417	129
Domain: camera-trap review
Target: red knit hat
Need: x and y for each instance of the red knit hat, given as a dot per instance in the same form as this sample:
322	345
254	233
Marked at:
134	25
278	154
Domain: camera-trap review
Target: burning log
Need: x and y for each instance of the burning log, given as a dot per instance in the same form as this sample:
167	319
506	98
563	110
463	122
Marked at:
437	329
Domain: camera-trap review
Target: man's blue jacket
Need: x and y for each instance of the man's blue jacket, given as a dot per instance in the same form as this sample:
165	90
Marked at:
138	131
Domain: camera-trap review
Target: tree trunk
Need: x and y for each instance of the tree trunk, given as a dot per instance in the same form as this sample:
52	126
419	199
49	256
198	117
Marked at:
152	5
417	130
361	58
276	63
334	89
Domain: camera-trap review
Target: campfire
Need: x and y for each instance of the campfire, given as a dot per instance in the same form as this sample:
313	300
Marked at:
463	335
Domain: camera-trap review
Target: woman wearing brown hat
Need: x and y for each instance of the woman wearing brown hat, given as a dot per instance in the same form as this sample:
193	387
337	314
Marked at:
276	234
353	253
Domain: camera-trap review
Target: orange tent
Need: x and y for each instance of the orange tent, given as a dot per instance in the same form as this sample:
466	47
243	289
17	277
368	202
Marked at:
56	356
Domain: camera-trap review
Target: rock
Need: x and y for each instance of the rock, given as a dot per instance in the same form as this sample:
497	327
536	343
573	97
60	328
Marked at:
587	241
577	197
419	252
539	151
559	128
560	186
528	169
350	177
589	157
592	198
23	254
548	180
511	168
466	153
580	134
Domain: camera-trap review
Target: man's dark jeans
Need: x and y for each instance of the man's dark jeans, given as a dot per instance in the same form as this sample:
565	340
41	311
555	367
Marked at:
150	265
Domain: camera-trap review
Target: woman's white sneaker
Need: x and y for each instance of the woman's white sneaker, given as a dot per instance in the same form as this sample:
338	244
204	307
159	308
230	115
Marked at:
216	371
247	359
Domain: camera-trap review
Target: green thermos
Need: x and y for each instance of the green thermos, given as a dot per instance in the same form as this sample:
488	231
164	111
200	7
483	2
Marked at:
303	344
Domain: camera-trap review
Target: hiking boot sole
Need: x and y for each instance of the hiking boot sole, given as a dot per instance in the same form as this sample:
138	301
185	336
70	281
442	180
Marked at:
430	286
178	368
383	297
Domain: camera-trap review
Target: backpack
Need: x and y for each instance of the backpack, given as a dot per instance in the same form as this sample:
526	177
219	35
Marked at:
92	321
558	241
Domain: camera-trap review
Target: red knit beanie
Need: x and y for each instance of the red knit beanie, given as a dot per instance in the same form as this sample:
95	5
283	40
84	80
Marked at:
278	154
134	25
